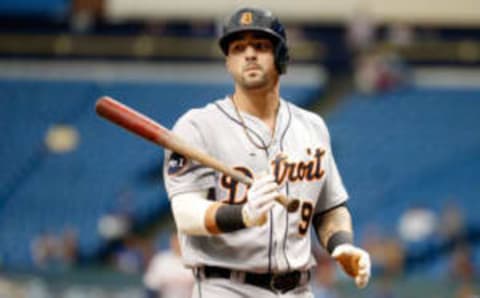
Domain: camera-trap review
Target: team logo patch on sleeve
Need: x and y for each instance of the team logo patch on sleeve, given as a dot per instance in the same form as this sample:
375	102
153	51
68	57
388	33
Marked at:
176	163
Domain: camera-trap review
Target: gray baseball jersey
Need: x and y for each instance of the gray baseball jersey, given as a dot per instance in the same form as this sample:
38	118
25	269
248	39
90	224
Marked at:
300	157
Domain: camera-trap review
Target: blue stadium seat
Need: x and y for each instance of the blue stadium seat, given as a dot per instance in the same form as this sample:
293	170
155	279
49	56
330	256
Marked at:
410	148
395	149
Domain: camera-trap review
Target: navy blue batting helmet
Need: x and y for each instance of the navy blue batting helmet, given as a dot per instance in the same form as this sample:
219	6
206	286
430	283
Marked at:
260	20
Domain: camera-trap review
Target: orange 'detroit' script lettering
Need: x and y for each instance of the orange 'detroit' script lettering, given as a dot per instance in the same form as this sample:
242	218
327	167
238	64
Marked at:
294	171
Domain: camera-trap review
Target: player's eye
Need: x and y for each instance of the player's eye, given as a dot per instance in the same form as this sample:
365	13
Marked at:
262	45
236	48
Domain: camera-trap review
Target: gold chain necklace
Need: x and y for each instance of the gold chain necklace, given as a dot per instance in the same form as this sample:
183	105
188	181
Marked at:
245	129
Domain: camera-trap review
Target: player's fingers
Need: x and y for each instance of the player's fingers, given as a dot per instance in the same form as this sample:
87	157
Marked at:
265	208
364	265
261	181
363	276
364	261
267	199
364	269
265	179
267	188
361	281
363	272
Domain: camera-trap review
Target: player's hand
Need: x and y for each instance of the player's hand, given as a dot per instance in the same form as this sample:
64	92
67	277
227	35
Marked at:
260	199
355	262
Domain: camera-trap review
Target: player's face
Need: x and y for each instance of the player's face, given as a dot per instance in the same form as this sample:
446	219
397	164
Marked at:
251	61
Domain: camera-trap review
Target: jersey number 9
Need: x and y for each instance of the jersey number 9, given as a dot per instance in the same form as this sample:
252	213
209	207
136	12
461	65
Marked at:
306	212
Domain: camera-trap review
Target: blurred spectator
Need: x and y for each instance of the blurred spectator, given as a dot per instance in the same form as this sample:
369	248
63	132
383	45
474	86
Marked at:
452	230
85	13
117	223
129	256
461	264
384	289
323	279
10	290
69	244
388	261
166	275
466	291
372	242
46	251
387	253
394	257
361	30
417	224
114	226
400	34
51	251
379	72
452	226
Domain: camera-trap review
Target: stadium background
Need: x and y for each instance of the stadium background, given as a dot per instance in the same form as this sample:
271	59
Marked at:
82	203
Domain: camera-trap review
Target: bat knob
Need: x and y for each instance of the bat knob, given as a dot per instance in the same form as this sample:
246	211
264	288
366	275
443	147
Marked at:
293	205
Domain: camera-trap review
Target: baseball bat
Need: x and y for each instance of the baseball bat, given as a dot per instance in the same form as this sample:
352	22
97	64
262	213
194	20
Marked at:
143	126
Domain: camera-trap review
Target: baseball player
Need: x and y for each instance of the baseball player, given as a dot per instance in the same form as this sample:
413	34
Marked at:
239	241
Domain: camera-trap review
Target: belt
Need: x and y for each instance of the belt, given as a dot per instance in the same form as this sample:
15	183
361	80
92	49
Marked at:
275	282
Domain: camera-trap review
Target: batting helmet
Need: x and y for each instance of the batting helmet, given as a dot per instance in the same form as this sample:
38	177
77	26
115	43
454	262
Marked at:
253	19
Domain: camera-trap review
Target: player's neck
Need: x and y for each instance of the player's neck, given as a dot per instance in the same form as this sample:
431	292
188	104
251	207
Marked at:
259	103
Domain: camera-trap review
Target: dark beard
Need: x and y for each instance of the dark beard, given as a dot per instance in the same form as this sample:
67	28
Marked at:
254	84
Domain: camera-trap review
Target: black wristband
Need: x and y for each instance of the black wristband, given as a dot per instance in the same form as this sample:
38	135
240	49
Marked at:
338	238
229	218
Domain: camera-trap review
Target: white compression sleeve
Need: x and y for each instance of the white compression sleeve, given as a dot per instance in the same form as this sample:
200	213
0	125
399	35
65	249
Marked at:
189	211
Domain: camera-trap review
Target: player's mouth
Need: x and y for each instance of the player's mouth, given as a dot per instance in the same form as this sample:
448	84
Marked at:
251	67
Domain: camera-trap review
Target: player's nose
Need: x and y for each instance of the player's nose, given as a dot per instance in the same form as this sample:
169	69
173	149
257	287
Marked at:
250	53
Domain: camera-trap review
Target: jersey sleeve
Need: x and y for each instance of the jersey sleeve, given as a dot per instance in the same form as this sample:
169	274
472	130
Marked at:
181	174
333	192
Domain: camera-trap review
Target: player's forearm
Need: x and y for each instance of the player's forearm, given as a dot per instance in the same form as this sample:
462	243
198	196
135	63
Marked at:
334	229
333	226
188	212
195	215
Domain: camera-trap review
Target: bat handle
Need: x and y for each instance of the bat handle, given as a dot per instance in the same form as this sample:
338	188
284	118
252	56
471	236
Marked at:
290	204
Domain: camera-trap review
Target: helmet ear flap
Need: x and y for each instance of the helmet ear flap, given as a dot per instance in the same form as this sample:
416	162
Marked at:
281	58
